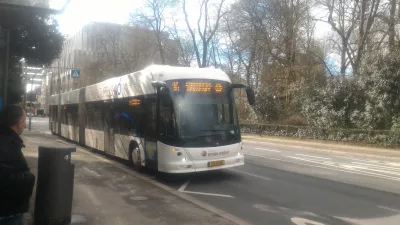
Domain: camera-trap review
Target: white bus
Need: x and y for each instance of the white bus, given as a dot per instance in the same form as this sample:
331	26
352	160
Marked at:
172	119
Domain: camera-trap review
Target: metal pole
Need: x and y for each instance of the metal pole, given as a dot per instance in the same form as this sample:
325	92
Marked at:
6	66
26	91
30	100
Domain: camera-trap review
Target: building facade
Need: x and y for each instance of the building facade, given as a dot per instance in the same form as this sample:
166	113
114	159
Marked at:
101	51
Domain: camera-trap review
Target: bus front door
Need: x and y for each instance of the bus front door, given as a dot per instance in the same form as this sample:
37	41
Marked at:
151	135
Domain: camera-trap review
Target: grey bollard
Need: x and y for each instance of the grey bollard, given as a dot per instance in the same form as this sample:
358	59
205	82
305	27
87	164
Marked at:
55	184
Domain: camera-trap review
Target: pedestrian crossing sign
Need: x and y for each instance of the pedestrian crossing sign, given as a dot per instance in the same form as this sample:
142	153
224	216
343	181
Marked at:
75	73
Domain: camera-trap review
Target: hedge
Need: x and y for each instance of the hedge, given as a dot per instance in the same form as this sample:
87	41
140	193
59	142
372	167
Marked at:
384	138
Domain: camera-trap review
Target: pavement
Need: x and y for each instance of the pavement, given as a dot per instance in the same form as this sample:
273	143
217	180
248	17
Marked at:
109	192
283	181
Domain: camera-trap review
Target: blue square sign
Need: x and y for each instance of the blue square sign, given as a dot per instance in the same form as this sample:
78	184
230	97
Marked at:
76	73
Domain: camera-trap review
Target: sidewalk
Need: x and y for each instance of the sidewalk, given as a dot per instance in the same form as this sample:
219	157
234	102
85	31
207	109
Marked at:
326	146
107	193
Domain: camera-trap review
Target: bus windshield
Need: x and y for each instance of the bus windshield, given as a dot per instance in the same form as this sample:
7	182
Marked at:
202	118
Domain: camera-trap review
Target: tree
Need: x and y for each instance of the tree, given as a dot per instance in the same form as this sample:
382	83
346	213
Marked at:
346	17
153	17
35	38
245	39
381	82
205	30
185	45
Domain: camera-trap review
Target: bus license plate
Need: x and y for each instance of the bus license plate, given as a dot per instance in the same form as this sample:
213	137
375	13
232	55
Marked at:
216	163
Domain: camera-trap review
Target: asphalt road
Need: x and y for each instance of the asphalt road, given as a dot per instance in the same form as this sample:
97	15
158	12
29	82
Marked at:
39	124
287	185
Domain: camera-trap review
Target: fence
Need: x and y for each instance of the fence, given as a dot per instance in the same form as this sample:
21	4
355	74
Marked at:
376	137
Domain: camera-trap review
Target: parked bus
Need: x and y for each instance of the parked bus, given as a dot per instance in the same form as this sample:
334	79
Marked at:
172	119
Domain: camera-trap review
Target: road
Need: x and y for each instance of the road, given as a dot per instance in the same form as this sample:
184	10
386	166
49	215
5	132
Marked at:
39	124
281	184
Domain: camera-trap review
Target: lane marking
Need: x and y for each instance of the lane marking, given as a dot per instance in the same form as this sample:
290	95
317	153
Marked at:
265	149
377	170
350	167
324	167
182	189
352	158
378	167
313	156
390	209
302	221
367	154
250	174
209	194
393	164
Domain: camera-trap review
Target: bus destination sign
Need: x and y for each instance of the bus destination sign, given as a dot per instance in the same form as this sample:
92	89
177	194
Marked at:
197	87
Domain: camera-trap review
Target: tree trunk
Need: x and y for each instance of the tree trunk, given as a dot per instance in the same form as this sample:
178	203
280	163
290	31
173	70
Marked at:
392	32
343	65
204	62
161	50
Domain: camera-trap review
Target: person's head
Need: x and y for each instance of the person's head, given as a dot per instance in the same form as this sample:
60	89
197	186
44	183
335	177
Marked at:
13	116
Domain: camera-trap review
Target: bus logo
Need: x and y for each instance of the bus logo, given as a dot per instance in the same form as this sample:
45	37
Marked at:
203	153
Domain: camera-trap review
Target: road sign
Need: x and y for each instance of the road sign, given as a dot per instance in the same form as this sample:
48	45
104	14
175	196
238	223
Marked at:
76	73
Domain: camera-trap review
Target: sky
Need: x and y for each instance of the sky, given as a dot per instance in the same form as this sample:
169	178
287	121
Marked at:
81	12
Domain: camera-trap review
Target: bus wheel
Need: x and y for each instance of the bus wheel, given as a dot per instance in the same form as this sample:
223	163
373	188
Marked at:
134	156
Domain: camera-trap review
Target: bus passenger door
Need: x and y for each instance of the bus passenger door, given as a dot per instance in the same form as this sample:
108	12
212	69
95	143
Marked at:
108	130
151	133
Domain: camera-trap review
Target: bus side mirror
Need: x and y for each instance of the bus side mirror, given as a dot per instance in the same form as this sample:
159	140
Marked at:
165	95
251	98
164	91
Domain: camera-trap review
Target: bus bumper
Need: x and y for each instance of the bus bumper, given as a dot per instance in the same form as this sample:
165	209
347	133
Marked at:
190	166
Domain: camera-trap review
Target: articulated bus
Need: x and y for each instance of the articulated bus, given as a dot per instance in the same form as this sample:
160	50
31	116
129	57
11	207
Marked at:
172	119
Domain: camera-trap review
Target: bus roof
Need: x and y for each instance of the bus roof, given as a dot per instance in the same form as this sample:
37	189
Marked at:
139	83
165	73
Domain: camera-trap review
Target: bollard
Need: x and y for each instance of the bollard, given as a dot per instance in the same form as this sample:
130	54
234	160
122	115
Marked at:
55	184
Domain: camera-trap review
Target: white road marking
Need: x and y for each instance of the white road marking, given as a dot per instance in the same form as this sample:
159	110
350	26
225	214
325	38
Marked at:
350	167
393	164
314	156
378	166
376	170
182	189
302	221
210	194
250	174
265	149
387	208
330	168
361	160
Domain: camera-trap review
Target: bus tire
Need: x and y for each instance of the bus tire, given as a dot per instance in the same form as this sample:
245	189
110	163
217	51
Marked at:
134	156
